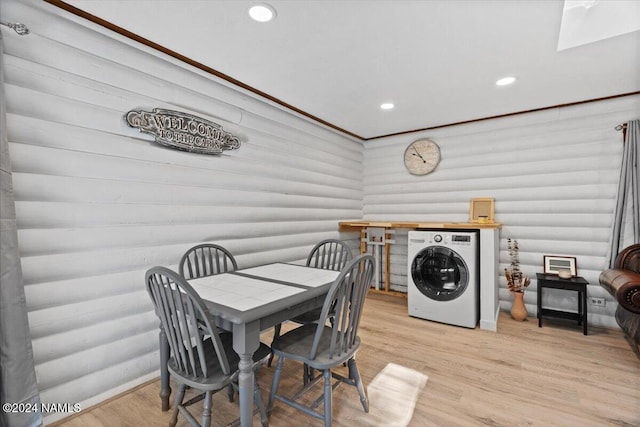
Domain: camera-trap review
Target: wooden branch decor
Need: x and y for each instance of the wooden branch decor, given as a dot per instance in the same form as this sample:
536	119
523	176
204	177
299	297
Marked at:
183	131
516	280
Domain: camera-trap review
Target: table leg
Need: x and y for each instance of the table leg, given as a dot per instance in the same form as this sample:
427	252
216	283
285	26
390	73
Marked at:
246	338
580	308
165	389
584	311
539	305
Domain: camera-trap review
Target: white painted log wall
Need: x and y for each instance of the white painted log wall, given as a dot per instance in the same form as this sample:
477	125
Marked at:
98	203
553	175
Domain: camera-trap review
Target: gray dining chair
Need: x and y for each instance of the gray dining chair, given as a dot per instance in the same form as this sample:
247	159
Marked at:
200	356
206	259
329	254
323	347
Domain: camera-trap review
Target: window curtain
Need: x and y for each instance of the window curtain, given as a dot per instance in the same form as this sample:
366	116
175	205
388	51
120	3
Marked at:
17	373
626	225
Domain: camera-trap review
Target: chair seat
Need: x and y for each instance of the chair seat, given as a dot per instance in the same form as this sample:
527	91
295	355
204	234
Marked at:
216	379
311	316
296	345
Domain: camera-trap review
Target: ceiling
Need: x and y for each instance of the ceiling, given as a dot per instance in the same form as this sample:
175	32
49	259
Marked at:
436	60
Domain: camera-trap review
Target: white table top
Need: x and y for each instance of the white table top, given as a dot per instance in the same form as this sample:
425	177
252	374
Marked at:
255	287
300	275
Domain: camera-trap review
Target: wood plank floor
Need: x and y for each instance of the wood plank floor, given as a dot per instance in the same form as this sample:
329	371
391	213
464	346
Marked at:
520	376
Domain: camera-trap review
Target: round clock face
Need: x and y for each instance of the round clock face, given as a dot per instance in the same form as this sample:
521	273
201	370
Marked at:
421	157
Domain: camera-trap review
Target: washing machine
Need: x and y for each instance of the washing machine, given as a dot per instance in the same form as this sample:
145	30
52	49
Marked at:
443	276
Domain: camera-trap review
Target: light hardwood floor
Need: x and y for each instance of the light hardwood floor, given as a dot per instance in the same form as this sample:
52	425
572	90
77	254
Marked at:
520	376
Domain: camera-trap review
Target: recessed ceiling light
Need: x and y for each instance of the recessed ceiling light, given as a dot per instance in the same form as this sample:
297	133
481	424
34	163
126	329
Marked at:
262	12
505	81
387	106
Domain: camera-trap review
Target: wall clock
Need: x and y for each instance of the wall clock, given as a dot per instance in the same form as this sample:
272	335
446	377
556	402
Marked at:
421	157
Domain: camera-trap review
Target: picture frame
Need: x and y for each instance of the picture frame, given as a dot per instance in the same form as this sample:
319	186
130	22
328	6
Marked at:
481	210
554	264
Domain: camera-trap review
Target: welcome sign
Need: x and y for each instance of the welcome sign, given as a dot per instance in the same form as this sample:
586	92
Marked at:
183	131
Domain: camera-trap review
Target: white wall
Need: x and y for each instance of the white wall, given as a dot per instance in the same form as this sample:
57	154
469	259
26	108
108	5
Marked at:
553	175
98	203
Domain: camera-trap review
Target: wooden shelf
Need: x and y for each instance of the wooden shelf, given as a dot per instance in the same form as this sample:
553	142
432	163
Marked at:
355	225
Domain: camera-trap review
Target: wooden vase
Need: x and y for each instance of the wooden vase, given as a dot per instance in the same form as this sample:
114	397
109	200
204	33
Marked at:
518	309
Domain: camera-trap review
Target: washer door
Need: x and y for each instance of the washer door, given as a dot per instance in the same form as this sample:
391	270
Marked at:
440	273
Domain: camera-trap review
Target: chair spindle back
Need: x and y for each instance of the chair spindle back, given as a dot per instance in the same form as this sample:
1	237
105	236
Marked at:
206	260
186	322
344	303
330	254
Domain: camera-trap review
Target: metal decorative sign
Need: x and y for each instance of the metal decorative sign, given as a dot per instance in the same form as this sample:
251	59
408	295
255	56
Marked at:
183	131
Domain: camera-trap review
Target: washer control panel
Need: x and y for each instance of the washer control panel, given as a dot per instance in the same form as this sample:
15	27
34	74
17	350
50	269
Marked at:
450	239
437	237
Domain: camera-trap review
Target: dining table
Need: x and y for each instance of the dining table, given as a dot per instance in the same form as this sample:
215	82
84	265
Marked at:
247	302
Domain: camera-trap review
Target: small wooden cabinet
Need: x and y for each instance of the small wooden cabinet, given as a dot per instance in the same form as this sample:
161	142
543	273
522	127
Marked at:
578	284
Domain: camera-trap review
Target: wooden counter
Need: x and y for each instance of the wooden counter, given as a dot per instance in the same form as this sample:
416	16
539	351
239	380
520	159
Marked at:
354	225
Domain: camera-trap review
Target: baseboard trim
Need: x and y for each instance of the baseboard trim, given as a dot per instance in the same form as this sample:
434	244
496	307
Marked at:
108	396
489	325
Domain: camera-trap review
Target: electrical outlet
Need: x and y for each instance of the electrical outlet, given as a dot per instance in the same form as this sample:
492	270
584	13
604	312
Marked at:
598	302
